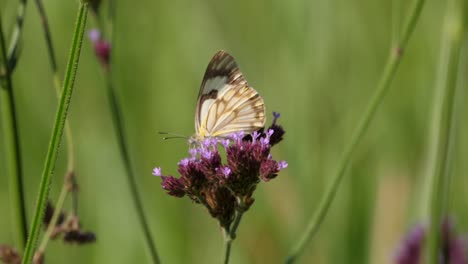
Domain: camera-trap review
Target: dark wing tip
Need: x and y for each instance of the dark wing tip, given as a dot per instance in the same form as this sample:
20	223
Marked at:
223	64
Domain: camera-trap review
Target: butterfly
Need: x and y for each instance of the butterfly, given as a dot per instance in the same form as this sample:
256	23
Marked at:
226	103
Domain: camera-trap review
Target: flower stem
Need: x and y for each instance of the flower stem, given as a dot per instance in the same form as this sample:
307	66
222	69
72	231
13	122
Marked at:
117	119
230	235
56	79
119	128
444	118
392	64
48	37
227	246
12	146
13	48
57	131
56	82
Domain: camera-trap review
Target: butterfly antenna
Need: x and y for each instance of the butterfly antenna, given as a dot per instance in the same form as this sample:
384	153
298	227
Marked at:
172	135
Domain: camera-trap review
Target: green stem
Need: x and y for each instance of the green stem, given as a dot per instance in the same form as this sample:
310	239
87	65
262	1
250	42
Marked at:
12	146
444	118
231	234
227	246
389	72
117	119
57	131
119	128
16	36
47	36
56	81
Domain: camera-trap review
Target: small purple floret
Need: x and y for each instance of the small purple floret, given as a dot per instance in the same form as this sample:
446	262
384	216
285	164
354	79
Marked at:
94	35
184	162
282	165
225	142
193	152
255	136
237	136
214	142
157	171
264	141
206	143
275	117
226	171
206	154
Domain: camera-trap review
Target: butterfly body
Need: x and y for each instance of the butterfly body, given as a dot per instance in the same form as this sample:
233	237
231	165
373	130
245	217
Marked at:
226	103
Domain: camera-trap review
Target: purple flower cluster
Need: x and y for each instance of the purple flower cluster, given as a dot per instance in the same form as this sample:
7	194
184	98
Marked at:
226	187
453	248
102	48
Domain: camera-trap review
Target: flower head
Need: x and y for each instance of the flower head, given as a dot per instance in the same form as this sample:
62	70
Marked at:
226	185
102	48
453	248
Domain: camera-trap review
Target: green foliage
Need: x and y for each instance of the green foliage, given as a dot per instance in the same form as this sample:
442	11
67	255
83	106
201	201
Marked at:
315	62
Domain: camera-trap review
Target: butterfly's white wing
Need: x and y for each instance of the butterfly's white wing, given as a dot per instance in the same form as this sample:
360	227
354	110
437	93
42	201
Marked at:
226	103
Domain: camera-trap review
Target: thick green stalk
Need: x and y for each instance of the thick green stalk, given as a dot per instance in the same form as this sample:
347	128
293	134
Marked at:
385	81
57	131
117	118
12	146
444	118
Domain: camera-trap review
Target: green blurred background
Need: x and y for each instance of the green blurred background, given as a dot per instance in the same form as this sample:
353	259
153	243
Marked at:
316	62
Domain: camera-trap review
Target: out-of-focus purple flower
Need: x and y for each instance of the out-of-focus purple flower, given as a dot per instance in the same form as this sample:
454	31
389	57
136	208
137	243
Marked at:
410	250
224	187
94	35
453	248
102	48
